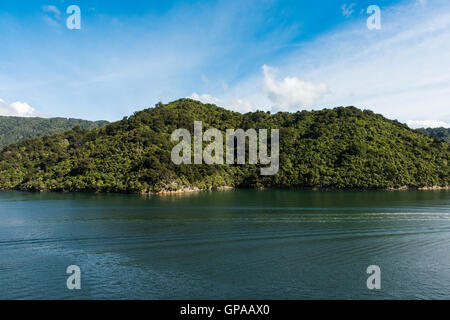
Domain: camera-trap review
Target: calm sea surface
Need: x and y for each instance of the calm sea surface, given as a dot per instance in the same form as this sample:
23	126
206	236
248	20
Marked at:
226	245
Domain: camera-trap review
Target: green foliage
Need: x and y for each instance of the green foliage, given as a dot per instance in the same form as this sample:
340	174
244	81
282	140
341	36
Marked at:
333	148
15	129
441	133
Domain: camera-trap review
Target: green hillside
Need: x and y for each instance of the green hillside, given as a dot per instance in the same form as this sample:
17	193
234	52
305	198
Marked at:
341	148
15	129
442	133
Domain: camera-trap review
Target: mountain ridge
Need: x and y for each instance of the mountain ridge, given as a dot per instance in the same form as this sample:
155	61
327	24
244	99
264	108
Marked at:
339	148
15	129
441	132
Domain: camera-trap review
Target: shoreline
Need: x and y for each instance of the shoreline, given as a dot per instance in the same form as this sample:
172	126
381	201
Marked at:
195	189
188	190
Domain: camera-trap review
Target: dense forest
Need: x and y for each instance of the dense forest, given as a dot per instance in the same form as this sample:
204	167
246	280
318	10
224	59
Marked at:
442	133
342	148
14	129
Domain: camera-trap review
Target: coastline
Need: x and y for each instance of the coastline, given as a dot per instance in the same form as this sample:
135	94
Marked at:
188	190
227	188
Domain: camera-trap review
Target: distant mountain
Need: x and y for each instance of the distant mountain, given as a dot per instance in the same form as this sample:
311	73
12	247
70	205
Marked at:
442	133
342	148
15	129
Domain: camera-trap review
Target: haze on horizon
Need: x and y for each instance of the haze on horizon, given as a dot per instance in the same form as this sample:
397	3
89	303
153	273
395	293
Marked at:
242	55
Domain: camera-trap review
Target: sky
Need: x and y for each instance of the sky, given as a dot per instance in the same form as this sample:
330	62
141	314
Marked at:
243	55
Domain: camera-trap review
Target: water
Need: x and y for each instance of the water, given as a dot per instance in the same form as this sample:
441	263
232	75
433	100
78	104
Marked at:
226	245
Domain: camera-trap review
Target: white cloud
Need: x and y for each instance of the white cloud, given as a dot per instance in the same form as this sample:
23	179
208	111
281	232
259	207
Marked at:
53	15
241	105
401	71
51	9
427	124
205	98
18	109
347	10
291	92
51	22
266	92
231	103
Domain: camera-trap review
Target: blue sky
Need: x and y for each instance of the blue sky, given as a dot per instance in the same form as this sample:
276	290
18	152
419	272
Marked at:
242	55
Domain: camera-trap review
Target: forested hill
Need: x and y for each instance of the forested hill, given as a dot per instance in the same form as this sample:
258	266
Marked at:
14	129
333	148
442	133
